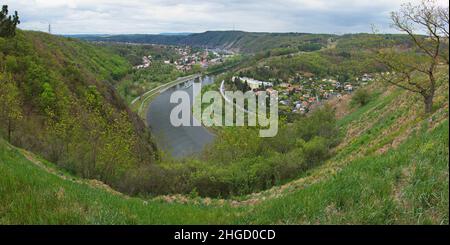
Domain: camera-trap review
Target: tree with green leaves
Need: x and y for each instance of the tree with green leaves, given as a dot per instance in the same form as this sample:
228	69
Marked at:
11	105
361	97
416	68
9	23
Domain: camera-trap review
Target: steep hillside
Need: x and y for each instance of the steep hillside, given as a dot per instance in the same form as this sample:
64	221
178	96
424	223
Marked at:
232	40
390	168
58	100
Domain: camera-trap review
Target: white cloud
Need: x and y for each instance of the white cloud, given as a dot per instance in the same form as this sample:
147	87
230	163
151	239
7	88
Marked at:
154	16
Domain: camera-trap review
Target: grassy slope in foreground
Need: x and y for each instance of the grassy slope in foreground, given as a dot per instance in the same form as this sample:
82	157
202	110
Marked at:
392	167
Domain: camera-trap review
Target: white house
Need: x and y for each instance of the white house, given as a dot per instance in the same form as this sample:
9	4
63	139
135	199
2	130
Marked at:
348	87
253	83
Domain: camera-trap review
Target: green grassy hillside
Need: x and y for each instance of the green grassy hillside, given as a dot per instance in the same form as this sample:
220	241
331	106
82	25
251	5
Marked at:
390	168
58	100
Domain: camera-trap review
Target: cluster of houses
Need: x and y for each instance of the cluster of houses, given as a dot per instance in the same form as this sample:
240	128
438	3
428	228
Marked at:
146	62
188	58
204	58
300	94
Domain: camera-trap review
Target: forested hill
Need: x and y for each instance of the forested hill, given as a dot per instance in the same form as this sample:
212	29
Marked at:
249	42
58	101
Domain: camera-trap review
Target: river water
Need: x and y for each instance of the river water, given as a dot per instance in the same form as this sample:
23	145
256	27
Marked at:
178	141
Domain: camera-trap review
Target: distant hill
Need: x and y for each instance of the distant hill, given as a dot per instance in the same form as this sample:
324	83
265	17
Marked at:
175	33
249	42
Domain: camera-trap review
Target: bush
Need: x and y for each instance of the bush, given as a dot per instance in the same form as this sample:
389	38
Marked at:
315	150
320	123
361	97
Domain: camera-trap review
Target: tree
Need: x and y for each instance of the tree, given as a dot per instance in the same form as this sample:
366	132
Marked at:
361	97
47	98
8	24
415	70
11	108
343	78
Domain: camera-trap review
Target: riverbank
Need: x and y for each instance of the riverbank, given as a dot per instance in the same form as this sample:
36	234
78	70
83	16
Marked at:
178	141
141	103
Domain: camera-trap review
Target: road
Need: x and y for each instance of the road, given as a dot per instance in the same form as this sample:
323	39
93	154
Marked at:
147	96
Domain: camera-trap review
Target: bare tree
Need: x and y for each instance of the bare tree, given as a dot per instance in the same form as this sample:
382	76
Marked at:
415	69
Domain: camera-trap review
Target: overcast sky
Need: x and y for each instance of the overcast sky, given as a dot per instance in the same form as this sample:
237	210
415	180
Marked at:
156	16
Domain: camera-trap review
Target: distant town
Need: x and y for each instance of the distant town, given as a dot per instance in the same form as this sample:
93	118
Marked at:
298	95
305	91
189	58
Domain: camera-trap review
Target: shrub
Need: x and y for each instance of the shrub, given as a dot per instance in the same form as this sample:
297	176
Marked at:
315	150
361	97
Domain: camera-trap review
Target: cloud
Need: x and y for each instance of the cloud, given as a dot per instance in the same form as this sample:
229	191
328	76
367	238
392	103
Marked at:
155	16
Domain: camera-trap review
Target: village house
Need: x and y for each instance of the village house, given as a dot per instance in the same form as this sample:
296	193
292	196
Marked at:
146	62
271	91
366	77
284	102
348	87
253	83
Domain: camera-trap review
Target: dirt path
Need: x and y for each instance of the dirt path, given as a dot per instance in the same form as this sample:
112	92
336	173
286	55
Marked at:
91	182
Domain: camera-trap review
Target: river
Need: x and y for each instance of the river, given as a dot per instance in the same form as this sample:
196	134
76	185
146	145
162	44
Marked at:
182	141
